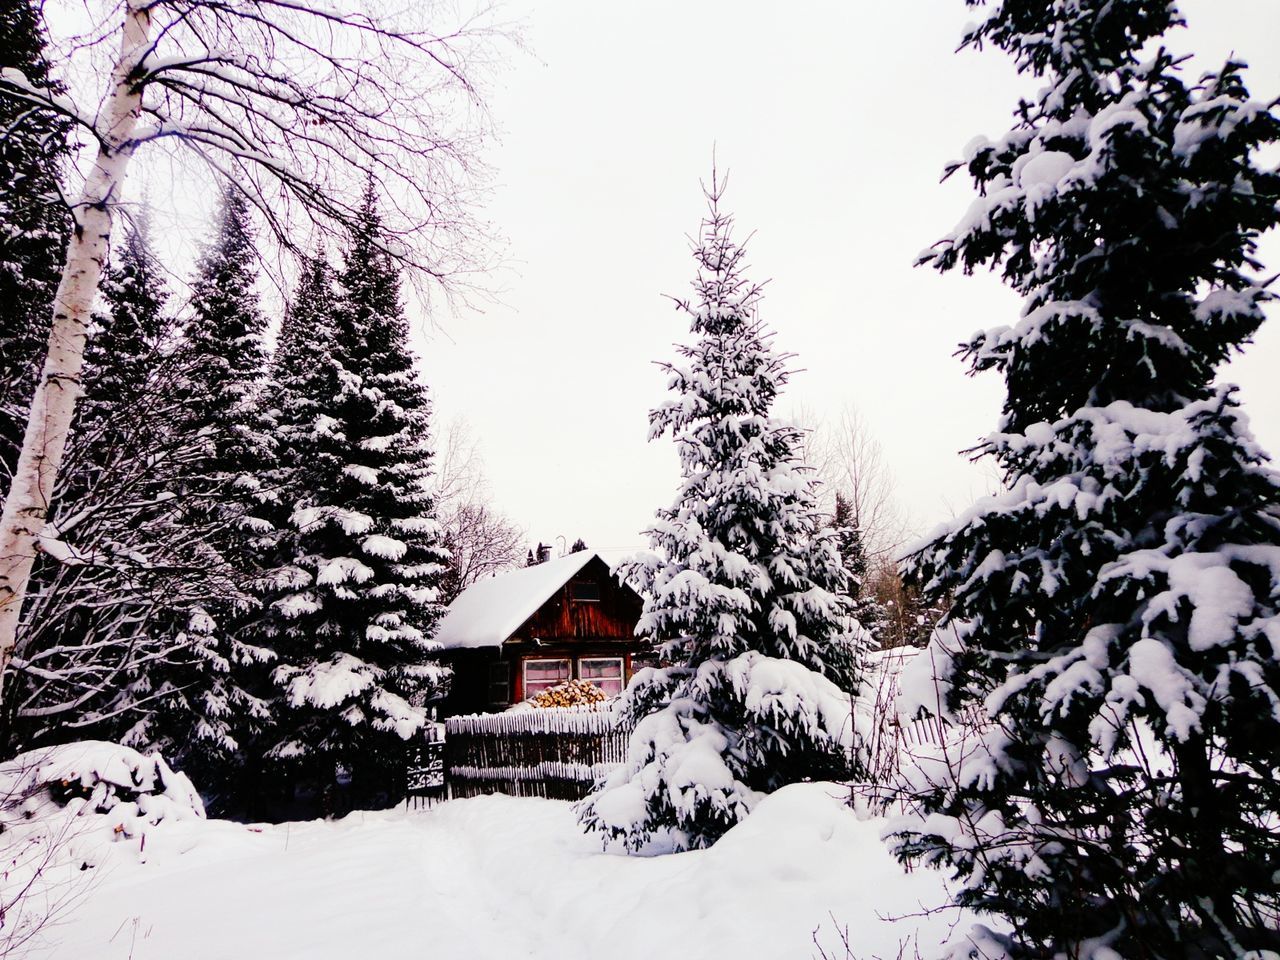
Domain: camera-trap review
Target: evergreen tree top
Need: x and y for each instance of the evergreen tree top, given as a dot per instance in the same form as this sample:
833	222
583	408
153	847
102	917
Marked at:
1125	205
372	283
134	325
224	336
1078	40
849	536
746	562
308	328
726	299
732	377
224	302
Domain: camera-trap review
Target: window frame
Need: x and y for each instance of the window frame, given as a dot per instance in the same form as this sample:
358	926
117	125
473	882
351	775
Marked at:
545	684
621	678
504	682
593	585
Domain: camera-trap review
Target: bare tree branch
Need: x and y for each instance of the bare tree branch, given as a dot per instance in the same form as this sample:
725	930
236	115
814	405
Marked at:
848	459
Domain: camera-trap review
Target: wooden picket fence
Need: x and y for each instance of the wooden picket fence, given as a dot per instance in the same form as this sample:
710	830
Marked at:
554	753
561	753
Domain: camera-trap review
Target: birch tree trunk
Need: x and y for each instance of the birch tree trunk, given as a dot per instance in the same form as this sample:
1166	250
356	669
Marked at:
27	505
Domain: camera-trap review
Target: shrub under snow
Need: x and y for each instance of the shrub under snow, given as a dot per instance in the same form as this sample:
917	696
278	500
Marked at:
130	790
61	809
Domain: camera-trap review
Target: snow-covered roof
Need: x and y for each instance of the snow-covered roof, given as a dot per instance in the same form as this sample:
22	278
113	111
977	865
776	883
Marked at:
489	611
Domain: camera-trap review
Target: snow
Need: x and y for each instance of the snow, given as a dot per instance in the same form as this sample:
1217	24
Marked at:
1122	114
499	877
1220	600
1152	667
1214	118
340	569
67	809
328	684
388	548
489	611
366	475
351	521
111	777
1044	169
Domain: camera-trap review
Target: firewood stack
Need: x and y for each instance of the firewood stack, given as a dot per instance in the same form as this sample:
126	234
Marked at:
571	693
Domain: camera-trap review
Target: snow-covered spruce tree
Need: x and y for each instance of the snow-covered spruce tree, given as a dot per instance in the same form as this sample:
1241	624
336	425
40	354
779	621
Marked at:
33	225
356	590
226	492
126	351
1122	597
226	362
853	554
745	592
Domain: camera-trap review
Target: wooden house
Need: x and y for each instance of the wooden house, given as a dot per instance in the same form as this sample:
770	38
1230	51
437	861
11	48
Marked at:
516	634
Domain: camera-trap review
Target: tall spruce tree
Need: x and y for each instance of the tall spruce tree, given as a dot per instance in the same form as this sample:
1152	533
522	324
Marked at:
226	362
356	589
227	494
745	591
33	224
125	354
1122	598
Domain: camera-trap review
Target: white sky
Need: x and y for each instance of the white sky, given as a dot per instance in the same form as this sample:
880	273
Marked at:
834	120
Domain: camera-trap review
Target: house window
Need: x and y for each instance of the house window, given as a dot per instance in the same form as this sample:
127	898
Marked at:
541	674
584	591
604	672
500	682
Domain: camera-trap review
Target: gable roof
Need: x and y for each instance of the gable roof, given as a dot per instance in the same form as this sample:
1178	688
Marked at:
489	611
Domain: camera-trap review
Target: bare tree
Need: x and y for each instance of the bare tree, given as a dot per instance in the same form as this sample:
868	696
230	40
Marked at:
848	459
481	540
295	104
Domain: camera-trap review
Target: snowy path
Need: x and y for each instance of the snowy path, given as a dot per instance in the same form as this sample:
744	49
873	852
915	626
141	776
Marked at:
497	877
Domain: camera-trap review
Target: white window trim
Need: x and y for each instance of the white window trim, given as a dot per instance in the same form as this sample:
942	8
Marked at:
620	661
524	672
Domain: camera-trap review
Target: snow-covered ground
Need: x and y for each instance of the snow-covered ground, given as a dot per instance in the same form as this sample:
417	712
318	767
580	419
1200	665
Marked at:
498	877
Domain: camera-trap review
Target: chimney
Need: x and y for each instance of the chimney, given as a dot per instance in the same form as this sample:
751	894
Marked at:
544	553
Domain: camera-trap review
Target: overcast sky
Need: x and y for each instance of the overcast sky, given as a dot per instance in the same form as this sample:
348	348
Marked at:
834	120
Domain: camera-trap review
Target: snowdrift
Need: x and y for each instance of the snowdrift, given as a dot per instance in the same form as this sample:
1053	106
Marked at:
496	877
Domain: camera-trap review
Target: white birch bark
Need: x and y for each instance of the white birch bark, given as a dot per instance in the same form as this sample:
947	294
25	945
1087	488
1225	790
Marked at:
26	507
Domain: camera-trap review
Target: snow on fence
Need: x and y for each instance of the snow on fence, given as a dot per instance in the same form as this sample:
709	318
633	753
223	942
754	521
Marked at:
557	752
894	737
569	720
896	741
561	752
